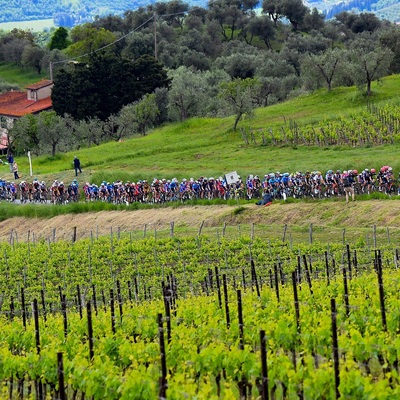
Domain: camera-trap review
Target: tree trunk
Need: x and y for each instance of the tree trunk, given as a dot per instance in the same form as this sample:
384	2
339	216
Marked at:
369	87
237	119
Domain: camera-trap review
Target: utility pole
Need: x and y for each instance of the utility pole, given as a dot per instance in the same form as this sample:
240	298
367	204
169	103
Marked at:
51	71
155	35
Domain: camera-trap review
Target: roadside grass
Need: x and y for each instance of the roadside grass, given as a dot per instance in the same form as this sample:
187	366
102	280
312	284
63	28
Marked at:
9	210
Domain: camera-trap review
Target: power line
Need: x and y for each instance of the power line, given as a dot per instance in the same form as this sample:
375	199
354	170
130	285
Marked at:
153	17
97	50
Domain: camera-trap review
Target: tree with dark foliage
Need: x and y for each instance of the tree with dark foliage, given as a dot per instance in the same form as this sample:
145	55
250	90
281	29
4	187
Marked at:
104	85
59	39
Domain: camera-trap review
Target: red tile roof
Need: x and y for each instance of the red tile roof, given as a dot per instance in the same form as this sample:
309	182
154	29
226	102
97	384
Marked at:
39	85
16	104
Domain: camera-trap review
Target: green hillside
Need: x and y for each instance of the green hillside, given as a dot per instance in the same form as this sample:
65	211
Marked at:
18	76
209	147
391	12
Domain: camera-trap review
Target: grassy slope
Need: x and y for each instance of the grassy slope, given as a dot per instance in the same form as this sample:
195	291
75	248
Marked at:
22	77
209	147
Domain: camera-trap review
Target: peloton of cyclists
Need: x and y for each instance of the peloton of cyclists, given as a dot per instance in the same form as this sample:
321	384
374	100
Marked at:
279	185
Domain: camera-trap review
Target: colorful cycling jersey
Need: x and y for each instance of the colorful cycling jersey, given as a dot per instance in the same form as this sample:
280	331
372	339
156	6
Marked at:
182	187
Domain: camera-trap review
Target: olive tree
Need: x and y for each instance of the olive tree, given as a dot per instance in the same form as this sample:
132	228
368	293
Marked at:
51	131
186	97
368	61
317	68
239	98
138	116
32	57
24	134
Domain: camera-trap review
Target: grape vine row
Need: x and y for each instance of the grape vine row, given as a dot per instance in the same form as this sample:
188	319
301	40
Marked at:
372	126
108	307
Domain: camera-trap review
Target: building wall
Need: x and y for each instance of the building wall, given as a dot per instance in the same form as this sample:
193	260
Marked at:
39	94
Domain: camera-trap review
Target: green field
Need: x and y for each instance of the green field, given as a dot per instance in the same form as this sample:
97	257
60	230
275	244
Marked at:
34	26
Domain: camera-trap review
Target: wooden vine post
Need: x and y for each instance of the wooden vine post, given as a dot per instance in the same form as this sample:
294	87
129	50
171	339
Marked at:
163	380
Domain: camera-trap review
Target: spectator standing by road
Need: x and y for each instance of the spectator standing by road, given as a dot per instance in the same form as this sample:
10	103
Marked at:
10	160
348	180
15	170
77	165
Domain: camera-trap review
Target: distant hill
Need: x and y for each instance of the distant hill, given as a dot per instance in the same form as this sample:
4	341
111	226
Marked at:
73	12
70	12
383	9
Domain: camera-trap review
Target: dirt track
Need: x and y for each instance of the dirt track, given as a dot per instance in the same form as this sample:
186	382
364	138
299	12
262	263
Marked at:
101	222
331	214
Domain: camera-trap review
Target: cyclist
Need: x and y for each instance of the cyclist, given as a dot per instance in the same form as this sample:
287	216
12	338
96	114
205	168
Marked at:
110	191
61	193
221	188
337	188
43	191
367	181
317	183
329	183
72	191
249	187
286	183
103	192
3	191
23	189
54	191
34	189
156	189
12	191
183	187
87	189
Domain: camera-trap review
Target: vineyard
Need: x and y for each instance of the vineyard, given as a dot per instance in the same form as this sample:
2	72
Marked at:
370	127
199	317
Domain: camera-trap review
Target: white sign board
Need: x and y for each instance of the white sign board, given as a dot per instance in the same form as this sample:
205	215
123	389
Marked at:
30	163
232	177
